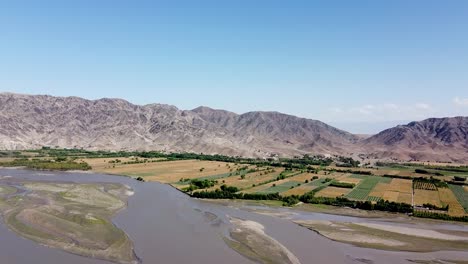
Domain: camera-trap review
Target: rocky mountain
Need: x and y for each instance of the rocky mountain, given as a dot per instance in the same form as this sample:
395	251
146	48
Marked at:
114	124
433	139
28	121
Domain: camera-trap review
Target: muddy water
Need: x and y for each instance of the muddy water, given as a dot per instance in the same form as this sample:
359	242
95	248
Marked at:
166	226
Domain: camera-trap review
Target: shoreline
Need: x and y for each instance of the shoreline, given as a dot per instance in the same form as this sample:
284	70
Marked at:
316	208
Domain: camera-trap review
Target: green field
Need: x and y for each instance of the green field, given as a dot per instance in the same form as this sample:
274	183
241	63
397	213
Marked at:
281	187
317	182
363	189
373	198
461	194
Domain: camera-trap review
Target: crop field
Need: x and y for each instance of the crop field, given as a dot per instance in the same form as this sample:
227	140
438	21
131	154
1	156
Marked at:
281	187
461	194
373	198
348	178
368	183
166	171
300	190
404	198
424	186
401	185
397	190
265	180
448	198
391	196
379	190
426	196
303	177
250	180
103	164
317	182
333	192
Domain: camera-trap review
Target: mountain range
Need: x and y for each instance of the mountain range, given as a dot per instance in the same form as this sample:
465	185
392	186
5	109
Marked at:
33	121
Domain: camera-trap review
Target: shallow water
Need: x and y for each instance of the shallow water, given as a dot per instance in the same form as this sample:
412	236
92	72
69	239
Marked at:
167	226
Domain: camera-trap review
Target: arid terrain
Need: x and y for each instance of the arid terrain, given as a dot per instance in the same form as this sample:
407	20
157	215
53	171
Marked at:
393	183
30	122
389	236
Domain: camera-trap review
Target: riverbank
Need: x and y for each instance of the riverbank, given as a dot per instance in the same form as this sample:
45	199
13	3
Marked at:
389	237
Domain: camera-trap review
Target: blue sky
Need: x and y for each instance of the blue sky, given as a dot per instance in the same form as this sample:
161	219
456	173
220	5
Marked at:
360	65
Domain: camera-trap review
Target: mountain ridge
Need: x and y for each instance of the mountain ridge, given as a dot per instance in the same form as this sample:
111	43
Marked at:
32	121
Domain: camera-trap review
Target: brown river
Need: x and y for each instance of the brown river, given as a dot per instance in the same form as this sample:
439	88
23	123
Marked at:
167	226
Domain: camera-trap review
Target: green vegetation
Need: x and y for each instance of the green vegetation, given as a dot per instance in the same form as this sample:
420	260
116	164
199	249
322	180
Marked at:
435	207
461	195
318	182
432	215
281	187
46	164
200	184
342	184
373	198
459	178
247	169
381	205
347	162
421	171
362	191
417	182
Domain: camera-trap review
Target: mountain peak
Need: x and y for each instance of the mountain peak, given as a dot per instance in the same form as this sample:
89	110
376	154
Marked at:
32	121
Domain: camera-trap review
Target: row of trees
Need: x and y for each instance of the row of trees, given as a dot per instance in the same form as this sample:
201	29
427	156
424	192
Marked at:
433	215
227	192
47	164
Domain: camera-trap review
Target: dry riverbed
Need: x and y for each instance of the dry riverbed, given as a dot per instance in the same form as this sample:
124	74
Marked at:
249	239
389	236
68	216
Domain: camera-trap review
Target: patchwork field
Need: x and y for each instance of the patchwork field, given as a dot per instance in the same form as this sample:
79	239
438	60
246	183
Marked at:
166	171
333	192
461	194
416	188
397	190
293	180
448	198
426	197
249	180
300	190
363	190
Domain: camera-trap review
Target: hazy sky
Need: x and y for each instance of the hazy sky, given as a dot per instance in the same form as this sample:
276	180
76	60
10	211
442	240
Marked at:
355	64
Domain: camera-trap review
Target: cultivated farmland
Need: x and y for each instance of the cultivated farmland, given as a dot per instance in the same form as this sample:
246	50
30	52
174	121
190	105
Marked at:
461	194
448	198
166	171
281	187
424	186
368	183
426	197
333	192
414	188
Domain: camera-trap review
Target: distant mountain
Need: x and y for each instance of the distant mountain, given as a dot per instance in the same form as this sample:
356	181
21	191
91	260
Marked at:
433	139
28	121
114	124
